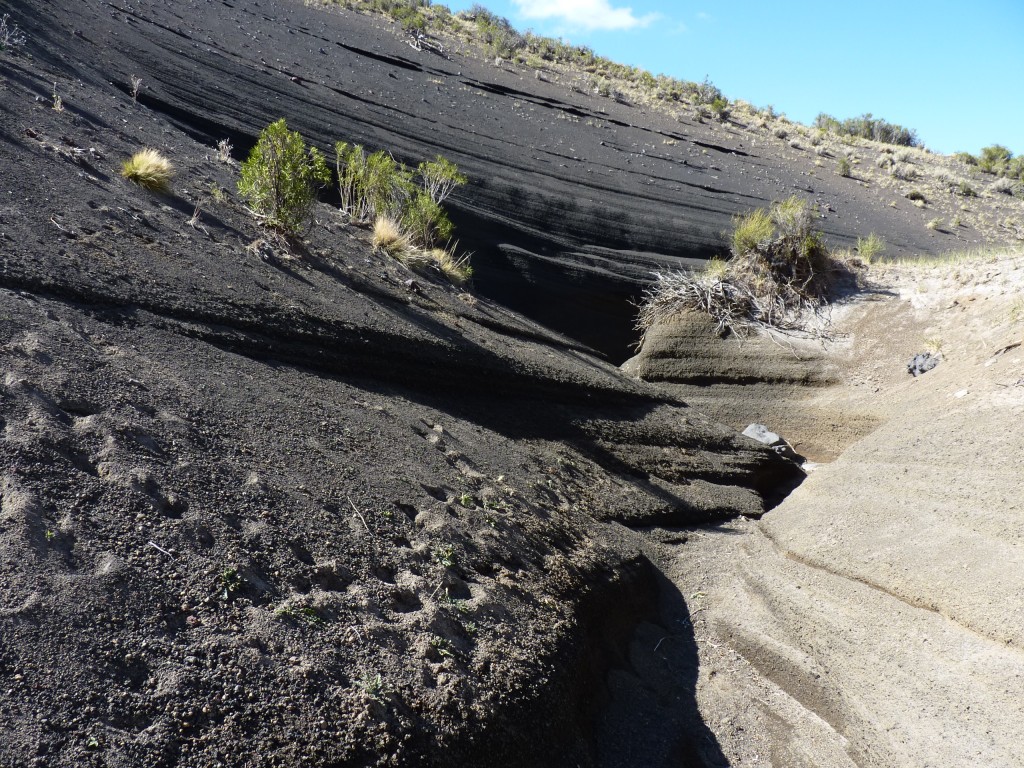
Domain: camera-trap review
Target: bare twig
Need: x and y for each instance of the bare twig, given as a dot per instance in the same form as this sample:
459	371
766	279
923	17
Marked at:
136	87
161	549
195	223
360	514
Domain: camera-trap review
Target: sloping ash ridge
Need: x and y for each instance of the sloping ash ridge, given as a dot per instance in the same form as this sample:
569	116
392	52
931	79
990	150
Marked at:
270	505
574	200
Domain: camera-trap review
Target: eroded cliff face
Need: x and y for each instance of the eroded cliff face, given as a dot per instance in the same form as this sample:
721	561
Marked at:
286	503
573	200
872	619
789	383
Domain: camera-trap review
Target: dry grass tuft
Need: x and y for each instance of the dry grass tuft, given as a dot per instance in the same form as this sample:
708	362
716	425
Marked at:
779	271
150	170
389	237
456	269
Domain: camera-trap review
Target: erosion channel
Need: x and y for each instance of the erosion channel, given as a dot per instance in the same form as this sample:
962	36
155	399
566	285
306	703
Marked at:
282	503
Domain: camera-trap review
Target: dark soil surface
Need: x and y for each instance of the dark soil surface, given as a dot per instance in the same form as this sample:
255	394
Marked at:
271	503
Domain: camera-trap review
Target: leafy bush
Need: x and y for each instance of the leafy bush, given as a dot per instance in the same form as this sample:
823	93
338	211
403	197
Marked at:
1000	161
497	32
404	205
149	169
780	267
440	177
425	221
843	167
281	177
995	159
705	92
377	186
720	108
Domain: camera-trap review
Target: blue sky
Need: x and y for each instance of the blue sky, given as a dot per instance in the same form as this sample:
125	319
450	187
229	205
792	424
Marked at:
953	71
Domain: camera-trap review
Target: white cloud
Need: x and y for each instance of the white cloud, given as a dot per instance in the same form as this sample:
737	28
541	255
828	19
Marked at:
587	15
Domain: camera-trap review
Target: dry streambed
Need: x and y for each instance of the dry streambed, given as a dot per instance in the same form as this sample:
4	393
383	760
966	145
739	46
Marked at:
873	618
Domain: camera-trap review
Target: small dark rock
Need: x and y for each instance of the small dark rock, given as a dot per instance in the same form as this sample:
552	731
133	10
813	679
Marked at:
922	363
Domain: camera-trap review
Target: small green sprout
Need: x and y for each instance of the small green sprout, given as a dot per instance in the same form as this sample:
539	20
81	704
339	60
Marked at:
374	686
303	614
230	582
445	556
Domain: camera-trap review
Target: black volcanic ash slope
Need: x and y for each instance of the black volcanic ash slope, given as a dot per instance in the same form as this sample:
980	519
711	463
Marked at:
574	200
272	507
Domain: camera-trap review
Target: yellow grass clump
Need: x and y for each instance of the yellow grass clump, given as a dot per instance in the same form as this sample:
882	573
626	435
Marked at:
149	169
456	269
389	237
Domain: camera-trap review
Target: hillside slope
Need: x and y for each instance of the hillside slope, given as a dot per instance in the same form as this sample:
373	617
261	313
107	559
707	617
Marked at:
573	199
271	503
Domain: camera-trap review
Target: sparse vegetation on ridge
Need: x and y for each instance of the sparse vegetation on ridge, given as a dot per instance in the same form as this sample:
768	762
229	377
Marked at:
997	160
583	70
868	127
780	269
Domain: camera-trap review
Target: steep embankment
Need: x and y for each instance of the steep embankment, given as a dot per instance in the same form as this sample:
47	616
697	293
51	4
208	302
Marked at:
573	199
873	619
279	504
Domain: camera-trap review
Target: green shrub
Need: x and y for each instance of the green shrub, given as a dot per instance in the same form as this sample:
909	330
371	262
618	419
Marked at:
376	186
843	167
779	267
868	127
704	93
387	184
720	108
351	167
995	159
281	177
371	186
425	221
439	178
497	32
